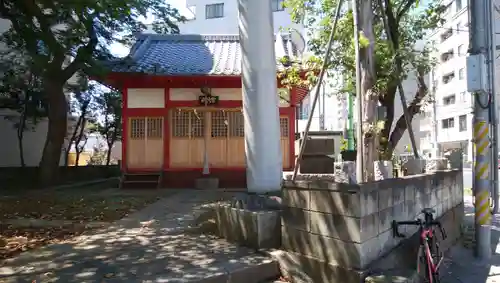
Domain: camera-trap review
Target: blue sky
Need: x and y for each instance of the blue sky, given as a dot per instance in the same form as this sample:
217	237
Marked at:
122	51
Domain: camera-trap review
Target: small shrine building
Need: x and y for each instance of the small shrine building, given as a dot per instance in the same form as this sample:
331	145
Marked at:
182	105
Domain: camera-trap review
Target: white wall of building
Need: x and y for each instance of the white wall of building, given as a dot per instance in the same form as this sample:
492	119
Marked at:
228	24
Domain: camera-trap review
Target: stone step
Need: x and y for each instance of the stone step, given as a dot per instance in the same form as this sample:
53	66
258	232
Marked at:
393	276
249	269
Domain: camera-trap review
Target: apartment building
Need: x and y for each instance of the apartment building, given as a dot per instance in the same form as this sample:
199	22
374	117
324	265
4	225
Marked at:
221	17
447	123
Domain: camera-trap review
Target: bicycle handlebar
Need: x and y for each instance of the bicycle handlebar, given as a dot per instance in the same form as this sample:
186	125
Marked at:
418	222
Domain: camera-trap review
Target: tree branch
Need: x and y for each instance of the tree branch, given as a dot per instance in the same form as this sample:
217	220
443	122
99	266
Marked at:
403	9
46	31
392	23
413	109
84	53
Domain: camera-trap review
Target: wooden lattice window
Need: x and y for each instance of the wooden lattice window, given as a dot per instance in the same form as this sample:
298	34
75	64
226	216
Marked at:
180	123
284	126
236	124
187	123
197	124
155	128
137	128
219	124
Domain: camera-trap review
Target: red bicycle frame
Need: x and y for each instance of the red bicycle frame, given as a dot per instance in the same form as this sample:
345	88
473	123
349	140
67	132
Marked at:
432	267
425	251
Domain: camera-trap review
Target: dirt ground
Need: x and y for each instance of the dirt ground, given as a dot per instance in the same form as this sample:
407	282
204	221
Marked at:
38	218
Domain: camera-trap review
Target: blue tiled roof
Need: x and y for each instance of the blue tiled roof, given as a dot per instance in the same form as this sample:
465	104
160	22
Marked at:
192	54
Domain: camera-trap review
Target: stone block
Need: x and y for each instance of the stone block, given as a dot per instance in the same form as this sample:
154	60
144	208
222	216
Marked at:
255	229
303	269
345	228
296	218
331	250
296	197
398	194
207	183
356	203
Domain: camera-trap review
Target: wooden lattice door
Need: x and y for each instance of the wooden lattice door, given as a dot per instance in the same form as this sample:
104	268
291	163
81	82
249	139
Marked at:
187	134
145	143
285	140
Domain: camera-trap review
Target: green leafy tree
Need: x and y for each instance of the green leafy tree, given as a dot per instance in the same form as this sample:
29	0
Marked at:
63	38
384	64
20	91
84	107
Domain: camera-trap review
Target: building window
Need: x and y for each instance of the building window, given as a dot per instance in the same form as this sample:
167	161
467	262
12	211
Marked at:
213	11
448	123
461	74
447	78
447	34
447	56
458	5
448	100
462	123
277	5
303	111
459	26
461	50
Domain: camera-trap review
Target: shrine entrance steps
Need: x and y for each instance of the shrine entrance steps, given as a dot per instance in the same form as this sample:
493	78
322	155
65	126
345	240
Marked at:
148	180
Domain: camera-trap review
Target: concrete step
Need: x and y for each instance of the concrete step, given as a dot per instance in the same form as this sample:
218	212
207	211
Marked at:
249	269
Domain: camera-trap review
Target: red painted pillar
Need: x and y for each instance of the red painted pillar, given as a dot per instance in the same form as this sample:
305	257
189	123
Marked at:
166	132
124	128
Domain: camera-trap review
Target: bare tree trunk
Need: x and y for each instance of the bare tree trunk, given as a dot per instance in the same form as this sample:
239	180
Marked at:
78	147
58	115
368	79
20	134
72	140
108	154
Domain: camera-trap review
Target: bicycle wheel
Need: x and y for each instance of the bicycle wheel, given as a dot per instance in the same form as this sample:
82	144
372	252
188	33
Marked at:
425	273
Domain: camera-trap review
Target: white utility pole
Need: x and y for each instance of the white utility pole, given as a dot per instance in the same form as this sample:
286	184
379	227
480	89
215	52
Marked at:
478	83
260	97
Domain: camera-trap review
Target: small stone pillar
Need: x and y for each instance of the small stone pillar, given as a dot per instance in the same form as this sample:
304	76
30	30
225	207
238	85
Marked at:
345	172
383	169
455	159
436	164
414	166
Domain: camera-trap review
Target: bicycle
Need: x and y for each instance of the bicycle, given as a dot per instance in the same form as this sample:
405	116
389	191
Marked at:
429	257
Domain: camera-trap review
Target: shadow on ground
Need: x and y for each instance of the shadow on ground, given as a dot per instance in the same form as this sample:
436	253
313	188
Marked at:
149	245
460	265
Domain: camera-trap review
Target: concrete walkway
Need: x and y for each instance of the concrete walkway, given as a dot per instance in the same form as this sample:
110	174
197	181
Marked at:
150	246
460	266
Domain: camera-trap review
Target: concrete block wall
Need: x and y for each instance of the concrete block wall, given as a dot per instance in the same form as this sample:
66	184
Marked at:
349	226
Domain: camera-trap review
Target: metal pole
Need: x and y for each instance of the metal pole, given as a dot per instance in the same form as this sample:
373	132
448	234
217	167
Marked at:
318	88
402	96
360	162
493	112
478	51
323	127
350	131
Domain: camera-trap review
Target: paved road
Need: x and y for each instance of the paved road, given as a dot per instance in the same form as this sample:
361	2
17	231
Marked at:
468	178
